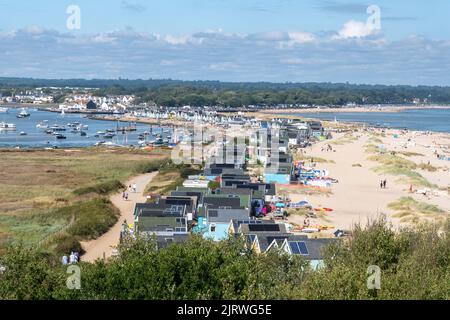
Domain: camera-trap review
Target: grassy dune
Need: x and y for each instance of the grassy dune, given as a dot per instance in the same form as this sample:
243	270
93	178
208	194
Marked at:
393	164
410	210
45	195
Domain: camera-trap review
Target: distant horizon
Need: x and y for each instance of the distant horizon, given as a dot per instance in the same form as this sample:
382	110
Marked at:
217	81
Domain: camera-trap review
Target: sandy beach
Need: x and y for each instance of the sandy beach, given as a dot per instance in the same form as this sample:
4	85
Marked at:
358	196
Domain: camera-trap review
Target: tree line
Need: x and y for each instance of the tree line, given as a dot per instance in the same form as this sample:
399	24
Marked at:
414	264
174	93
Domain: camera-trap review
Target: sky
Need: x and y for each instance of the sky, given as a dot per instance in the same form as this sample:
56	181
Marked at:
374	42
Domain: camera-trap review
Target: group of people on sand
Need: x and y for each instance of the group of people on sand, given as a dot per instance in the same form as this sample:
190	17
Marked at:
327	148
306	223
383	184
73	258
131	188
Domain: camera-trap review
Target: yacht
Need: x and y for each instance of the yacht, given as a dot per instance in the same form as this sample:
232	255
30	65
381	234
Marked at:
73	124
42	125
109	135
83	127
58	128
60	137
7	126
4	110
23	114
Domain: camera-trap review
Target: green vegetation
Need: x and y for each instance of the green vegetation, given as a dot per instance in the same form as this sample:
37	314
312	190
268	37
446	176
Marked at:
395	165
214	185
54	199
410	154
173	93
376	140
415	264
427	167
103	188
345	139
411	210
171	176
301	157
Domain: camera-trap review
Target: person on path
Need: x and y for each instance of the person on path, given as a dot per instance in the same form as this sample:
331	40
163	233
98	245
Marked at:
134	188
65	260
72	258
384	183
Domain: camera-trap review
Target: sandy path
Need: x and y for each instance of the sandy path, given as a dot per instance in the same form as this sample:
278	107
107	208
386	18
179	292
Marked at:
104	246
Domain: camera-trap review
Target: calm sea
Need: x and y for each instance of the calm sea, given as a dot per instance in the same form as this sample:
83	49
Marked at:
37	138
422	120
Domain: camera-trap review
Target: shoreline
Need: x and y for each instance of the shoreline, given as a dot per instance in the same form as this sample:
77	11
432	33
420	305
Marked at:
388	109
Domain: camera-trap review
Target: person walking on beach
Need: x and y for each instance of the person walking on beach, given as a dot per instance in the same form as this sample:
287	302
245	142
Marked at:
384	183
381	184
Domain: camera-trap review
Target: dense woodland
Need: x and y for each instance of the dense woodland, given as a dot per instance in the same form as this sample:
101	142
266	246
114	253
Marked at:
415	264
172	93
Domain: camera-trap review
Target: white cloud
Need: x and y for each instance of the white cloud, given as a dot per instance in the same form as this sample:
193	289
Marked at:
301	37
222	66
292	61
103	38
184	39
216	55
355	29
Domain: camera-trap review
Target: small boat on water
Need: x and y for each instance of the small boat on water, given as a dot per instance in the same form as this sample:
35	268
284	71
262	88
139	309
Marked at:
57	128
4	110
7	126
23	114
83	134
23	133
60	137
43	125
109	135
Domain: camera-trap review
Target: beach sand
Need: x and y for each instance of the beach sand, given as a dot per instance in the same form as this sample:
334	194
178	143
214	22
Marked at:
358	196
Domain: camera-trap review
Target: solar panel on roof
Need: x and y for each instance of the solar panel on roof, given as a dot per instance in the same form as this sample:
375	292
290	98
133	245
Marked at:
294	248
264	227
298	247
303	248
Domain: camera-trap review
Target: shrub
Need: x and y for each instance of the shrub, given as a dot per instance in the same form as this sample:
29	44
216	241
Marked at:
92	218
67	244
103	188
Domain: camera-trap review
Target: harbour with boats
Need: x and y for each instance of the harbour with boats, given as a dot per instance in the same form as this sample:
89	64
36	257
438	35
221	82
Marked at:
33	128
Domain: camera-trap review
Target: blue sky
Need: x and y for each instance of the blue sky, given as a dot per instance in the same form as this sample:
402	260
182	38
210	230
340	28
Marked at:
230	40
